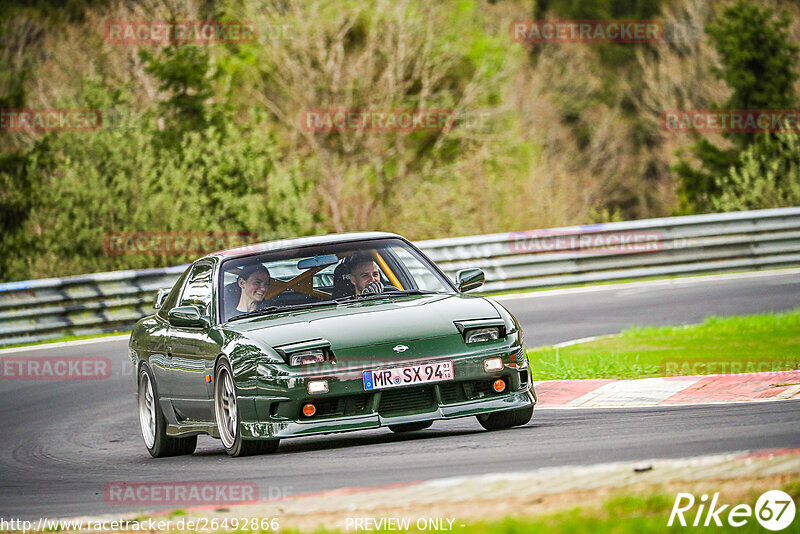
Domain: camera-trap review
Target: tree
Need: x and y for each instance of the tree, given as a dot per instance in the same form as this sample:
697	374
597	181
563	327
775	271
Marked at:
759	63
767	176
183	72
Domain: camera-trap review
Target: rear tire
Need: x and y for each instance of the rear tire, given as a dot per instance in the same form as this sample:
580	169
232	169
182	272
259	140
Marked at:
506	419
410	427
226	411
153	424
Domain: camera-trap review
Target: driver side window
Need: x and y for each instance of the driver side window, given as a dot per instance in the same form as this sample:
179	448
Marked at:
198	289
172	299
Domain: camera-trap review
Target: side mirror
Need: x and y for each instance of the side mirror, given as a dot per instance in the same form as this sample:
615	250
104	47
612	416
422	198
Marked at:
469	279
186	316
161	296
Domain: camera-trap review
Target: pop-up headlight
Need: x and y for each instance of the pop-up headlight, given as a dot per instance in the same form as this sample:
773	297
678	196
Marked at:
480	330
306	352
479	335
307	357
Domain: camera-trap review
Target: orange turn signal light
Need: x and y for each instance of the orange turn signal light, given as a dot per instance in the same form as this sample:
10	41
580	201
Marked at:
309	410
499	385
208	378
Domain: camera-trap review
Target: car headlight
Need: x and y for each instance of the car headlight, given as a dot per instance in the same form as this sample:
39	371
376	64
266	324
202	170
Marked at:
317	386
307	357
493	364
478	335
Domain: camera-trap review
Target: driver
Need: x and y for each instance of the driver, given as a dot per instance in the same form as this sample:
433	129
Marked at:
365	275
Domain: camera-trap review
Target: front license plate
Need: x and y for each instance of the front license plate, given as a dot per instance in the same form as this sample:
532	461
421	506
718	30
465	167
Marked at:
407	376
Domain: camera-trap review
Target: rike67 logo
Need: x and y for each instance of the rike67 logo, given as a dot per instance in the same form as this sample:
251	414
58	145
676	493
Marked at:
774	510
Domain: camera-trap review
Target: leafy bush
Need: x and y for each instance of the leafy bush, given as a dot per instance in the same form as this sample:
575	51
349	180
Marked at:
767	176
86	185
759	64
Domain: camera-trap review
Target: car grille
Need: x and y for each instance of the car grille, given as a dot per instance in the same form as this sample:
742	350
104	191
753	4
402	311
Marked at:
360	403
416	399
404	400
329	407
477	389
452	392
346	405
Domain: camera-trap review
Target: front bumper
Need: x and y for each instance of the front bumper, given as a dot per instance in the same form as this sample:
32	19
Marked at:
349	407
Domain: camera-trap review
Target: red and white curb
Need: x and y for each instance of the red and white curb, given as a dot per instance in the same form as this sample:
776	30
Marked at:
663	391
543	481
500	491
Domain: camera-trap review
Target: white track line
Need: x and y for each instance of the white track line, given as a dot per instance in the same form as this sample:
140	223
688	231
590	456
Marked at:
662	406
648	283
62	344
579	341
645	391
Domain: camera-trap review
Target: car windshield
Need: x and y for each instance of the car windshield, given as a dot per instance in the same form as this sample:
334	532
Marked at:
326	275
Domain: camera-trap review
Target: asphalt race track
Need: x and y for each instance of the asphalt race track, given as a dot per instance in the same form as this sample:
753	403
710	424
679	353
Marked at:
63	441
549	318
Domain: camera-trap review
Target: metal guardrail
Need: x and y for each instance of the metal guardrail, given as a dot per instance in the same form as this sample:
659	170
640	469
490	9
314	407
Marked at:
38	310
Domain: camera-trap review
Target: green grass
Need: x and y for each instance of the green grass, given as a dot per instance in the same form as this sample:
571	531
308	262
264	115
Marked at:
719	345
622	514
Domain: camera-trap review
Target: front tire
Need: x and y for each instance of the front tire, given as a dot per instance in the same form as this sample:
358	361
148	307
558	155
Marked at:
153	424
226	410
506	419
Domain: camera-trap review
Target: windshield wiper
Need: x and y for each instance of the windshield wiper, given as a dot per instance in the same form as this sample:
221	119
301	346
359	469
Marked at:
353	298
387	294
276	309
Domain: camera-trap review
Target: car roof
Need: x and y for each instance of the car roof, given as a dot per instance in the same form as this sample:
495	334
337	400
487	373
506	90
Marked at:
297	242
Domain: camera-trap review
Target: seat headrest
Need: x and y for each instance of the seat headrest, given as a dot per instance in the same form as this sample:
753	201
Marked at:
341	281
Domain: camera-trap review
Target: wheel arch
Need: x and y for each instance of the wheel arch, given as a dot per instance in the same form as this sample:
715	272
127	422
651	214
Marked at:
140	364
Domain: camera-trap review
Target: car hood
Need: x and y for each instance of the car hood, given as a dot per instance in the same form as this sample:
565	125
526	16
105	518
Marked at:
368	323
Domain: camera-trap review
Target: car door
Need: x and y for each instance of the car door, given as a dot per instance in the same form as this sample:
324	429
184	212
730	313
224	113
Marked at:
191	351
157	339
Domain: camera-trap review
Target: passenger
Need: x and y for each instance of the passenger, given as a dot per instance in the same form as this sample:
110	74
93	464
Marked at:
365	275
254	281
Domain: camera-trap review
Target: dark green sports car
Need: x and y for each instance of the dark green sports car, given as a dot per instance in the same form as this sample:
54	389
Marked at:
323	334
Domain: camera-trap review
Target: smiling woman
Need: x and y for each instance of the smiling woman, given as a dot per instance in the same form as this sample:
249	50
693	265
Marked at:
323	334
253	282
